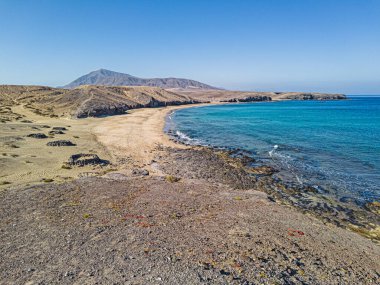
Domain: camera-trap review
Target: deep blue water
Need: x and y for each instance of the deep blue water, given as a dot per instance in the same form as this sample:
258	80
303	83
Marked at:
332	145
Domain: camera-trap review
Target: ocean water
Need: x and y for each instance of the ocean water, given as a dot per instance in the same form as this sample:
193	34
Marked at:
331	145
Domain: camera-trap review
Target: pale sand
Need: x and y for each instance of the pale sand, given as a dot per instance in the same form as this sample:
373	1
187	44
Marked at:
127	141
25	160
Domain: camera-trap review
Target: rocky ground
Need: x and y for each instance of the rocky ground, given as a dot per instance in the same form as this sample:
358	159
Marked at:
172	229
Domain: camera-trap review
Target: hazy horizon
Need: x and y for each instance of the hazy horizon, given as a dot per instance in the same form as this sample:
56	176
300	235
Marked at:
306	46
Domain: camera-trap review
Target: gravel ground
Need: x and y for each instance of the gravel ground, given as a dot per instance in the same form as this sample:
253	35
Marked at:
147	230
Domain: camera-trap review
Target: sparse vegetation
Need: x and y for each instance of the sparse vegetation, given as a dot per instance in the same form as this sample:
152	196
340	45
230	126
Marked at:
47	180
86	216
172	179
5	182
72	204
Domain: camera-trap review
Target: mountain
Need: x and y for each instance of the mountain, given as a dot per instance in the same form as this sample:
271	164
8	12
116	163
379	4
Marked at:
112	78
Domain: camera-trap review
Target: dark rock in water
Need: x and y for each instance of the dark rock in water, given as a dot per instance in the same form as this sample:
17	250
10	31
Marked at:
263	170
37	136
140	172
60	143
347	200
56	133
83	159
244	156
59	129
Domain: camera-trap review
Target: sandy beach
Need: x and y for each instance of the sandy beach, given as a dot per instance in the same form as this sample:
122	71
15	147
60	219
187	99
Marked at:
136	135
163	213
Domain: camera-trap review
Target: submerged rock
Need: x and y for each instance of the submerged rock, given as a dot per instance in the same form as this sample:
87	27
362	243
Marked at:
61	143
263	170
83	159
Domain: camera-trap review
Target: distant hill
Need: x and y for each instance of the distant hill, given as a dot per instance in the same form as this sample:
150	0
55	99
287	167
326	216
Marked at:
86	101
112	78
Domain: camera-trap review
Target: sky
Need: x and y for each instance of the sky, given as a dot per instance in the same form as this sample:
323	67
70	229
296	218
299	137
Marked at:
263	45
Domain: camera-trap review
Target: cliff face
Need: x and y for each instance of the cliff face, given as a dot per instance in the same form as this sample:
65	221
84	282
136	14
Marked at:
308	96
257	98
250	96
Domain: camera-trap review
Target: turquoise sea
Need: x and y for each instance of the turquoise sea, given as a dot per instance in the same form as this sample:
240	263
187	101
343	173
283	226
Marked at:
331	145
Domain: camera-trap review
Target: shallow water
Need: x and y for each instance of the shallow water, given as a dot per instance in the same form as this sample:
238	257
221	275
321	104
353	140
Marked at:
332	145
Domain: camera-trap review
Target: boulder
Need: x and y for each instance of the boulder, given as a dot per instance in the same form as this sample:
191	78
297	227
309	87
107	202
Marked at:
61	143
37	136
140	172
56	132
83	159
59	129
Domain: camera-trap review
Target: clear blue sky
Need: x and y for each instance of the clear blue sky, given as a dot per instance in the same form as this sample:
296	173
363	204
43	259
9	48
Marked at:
283	45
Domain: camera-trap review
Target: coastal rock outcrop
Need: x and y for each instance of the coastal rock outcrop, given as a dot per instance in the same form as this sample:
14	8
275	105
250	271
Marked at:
249	99
60	143
54	132
59	129
83	159
37	136
312	96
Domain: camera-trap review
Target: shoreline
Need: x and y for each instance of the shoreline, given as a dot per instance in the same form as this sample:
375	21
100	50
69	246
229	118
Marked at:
166	213
144	133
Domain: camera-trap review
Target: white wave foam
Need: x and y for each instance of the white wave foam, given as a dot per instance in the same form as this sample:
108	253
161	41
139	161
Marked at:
186	139
273	150
299	180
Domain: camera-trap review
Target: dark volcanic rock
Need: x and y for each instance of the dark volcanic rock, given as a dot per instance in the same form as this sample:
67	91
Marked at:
61	143
249	99
56	132
99	109
140	172
83	159
37	136
59	129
